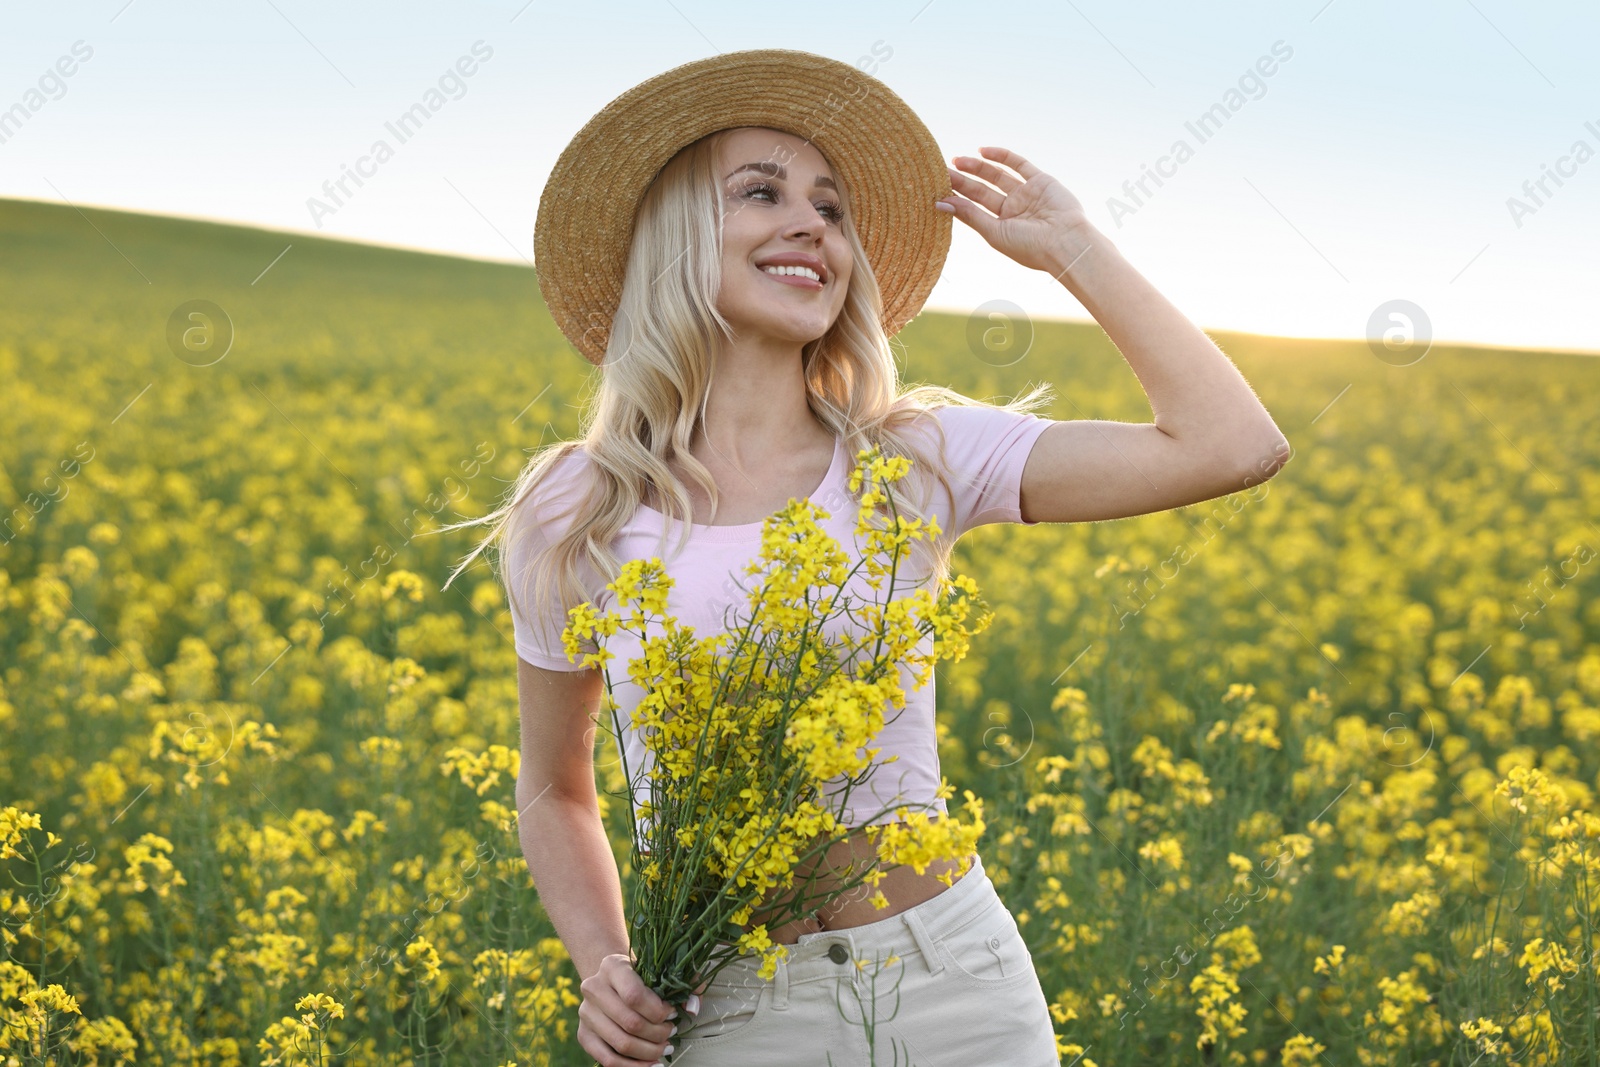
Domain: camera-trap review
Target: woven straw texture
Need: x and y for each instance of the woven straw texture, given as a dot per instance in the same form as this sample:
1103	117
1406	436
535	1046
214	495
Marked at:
888	161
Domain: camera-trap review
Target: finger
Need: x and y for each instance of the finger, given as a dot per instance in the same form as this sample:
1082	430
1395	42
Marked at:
627	1016
972	215
637	1050
653	1011
971	187
604	1054
995	175
1012	160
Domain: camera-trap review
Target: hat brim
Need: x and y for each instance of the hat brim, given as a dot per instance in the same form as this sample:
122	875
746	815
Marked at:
888	161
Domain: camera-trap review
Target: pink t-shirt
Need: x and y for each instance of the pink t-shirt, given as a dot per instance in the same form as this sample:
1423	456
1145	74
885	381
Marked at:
986	449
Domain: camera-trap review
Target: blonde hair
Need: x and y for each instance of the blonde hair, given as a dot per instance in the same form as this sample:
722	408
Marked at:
657	376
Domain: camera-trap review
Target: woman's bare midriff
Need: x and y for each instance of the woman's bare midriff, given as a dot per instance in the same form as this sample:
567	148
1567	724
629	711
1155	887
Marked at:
902	886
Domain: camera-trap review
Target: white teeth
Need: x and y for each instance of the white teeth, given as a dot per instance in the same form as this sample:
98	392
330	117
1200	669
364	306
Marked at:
805	272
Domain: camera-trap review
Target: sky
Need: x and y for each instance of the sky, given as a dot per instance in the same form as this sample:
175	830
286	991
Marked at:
1445	153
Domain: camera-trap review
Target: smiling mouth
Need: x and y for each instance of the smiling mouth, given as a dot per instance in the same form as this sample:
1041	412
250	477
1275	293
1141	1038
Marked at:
794	277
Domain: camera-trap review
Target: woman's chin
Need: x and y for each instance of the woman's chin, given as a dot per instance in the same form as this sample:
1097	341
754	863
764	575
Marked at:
786	332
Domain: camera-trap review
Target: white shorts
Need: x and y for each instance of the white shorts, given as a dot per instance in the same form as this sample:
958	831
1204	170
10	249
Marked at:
963	990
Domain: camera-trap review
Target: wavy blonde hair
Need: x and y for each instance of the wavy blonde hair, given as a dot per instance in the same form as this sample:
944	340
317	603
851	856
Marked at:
657	374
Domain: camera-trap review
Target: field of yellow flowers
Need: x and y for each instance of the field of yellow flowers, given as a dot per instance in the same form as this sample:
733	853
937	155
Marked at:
1306	774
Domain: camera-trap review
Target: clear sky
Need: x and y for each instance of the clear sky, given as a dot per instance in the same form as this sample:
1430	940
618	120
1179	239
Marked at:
1375	163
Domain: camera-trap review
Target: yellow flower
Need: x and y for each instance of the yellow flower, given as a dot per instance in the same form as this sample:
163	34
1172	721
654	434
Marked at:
1484	1033
1331	962
148	866
402	583
755	939
1165	850
1527	785
13	821
51	998
1302	1051
318	1008
421	959
1549	961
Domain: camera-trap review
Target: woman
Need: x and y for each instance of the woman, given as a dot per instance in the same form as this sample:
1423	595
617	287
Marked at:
739	299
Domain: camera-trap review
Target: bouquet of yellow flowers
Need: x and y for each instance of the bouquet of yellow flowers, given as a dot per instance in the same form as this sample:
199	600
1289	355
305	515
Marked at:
745	728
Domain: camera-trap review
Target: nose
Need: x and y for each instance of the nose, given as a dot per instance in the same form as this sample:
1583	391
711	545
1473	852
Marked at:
810	222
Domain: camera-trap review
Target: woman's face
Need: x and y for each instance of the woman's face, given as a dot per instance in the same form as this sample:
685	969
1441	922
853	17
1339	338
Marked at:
781	206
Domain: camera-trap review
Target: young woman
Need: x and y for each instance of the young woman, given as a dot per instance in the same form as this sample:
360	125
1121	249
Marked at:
747	248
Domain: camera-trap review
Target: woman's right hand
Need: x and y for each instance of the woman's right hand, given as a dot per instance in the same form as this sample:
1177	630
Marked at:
622	1022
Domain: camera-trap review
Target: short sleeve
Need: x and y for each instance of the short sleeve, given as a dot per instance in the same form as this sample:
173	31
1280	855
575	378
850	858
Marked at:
540	517
987	449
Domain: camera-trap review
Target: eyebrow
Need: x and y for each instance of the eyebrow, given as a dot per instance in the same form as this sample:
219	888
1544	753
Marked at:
781	173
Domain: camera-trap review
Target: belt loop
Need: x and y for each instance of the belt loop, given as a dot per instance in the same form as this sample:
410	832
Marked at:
780	982
925	943
858	978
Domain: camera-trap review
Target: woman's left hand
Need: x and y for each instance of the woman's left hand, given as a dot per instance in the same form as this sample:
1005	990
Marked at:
1032	218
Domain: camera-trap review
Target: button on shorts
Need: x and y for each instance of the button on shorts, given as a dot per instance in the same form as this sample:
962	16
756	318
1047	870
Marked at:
949	981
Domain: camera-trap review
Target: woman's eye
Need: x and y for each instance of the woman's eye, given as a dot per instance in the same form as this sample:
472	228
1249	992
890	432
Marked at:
831	211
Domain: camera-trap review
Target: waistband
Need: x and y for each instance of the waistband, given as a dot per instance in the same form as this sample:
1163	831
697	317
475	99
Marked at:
909	935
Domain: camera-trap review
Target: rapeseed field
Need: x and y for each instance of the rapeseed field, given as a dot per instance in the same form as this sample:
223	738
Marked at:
1302	775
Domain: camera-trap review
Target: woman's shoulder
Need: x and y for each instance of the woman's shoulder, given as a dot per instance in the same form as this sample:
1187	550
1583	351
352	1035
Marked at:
917	419
573	464
560	486
947	424
965	422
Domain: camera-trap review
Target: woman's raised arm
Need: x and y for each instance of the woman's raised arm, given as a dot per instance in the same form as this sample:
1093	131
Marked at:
1210	436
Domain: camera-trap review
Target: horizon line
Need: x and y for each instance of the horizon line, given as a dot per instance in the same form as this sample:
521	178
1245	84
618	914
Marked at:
523	261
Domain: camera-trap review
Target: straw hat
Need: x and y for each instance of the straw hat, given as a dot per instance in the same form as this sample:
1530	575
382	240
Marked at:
889	163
